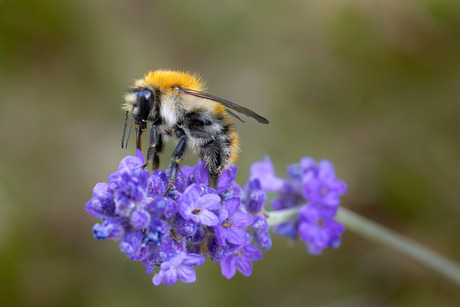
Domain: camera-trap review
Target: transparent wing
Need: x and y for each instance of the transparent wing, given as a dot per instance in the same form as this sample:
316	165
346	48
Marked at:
225	103
234	115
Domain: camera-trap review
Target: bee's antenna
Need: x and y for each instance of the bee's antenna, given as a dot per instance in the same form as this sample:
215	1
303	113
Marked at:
130	128
124	129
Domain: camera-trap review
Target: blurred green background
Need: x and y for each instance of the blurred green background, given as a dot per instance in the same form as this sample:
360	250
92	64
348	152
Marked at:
373	86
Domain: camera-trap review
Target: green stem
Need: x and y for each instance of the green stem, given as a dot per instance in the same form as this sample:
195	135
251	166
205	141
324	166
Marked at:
378	233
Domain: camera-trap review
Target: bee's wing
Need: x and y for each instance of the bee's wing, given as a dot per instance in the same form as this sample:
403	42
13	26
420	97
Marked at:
225	103
234	115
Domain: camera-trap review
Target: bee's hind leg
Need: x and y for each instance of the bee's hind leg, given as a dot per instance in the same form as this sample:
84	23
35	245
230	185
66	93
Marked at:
213	180
210	152
212	155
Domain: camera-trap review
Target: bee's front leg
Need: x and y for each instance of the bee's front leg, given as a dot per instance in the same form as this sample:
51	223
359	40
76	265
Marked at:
140	128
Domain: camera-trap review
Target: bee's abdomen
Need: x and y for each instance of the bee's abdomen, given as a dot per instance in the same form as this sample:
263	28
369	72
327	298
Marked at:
233	144
216	138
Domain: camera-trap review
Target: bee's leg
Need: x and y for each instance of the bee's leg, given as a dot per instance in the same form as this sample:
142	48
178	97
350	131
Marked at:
213	180
176	157
212	154
155	147
139	129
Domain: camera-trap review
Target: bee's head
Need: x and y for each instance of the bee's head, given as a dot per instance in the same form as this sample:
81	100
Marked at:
140	104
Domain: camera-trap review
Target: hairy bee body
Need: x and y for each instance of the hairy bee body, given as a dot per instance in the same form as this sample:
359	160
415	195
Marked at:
176	106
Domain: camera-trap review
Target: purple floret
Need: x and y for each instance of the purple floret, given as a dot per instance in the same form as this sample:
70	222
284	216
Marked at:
179	267
102	204
260	229
254	198
162	207
318	229
140	219
200	175
131	243
240	260
265	172
110	229
157	184
185	228
320	185
196	207
231	223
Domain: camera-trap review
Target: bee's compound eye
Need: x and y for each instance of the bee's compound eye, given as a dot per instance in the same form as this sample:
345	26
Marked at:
144	105
145	94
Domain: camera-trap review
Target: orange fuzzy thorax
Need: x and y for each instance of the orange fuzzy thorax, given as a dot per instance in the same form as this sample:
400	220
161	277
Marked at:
166	79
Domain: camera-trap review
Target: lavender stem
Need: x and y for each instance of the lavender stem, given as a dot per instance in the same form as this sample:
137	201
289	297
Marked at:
381	234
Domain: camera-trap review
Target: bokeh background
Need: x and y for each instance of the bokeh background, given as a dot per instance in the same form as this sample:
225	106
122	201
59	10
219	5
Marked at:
373	86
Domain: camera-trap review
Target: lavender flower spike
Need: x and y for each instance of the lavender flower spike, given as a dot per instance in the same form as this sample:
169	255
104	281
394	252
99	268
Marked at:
172	234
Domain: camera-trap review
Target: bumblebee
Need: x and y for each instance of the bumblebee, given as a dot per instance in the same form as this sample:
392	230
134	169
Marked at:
176	106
